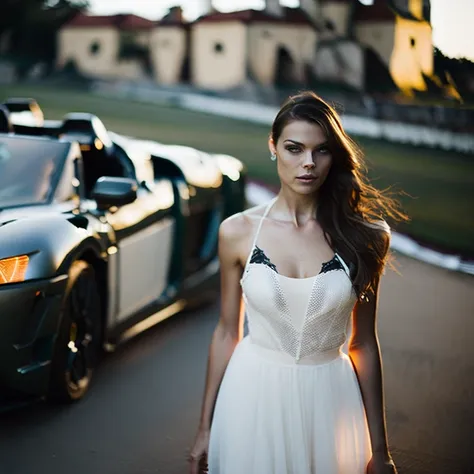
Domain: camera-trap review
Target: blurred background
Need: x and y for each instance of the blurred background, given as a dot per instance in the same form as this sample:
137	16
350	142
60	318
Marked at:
211	75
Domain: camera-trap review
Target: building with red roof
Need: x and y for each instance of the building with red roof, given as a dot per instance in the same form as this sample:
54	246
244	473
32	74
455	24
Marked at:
399	33
122	22
101	46
269	47
341	41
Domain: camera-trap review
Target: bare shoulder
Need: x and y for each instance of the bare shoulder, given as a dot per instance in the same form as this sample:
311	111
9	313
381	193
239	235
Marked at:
240	226
233	228
236	234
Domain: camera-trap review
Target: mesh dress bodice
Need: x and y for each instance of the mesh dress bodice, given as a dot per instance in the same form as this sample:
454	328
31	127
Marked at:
300	317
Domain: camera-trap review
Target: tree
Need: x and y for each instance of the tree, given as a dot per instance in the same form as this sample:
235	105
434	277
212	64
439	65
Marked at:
455	72
28	29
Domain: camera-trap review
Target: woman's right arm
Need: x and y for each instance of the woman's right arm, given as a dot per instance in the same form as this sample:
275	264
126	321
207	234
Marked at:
229	329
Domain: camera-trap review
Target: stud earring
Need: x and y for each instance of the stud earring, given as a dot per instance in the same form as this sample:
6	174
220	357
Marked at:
273	157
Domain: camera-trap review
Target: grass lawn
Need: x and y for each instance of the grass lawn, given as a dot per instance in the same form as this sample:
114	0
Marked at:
440	183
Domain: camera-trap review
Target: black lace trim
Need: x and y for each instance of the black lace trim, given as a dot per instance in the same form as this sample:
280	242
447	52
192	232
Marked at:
259	257
333	264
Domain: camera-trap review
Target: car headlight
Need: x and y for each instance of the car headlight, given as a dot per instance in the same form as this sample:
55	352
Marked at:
13	270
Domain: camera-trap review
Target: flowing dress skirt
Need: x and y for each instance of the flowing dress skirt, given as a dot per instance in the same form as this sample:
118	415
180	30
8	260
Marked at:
273	416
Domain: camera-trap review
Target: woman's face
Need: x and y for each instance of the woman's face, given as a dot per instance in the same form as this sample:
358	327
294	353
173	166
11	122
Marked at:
303	158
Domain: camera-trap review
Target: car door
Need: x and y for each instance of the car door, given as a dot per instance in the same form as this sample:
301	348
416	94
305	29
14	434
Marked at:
202	223
205	208
144	235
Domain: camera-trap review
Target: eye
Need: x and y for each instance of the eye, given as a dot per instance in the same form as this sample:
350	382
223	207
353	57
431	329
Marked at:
293	149
323	150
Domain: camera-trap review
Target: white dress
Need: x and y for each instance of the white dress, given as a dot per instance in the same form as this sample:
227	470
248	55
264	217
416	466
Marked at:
289	402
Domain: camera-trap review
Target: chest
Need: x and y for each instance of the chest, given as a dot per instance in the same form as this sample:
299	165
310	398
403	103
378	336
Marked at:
295	253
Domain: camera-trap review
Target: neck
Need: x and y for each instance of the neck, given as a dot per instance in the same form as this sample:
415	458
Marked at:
297	208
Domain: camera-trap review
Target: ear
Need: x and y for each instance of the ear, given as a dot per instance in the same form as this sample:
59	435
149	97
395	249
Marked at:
271	146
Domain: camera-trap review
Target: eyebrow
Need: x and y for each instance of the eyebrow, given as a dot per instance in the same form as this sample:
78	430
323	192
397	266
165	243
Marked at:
325	143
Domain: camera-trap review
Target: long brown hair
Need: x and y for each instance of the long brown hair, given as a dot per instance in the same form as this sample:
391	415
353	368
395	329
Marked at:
350	209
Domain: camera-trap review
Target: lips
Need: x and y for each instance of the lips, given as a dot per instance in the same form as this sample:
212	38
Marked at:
307	178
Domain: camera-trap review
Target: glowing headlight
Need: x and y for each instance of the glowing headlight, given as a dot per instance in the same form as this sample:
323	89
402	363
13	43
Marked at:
13	270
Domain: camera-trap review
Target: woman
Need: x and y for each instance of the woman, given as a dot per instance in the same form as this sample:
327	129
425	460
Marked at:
286	399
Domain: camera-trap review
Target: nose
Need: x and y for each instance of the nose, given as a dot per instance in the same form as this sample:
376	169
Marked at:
308	162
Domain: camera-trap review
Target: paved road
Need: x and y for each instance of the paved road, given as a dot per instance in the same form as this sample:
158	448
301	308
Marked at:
142	412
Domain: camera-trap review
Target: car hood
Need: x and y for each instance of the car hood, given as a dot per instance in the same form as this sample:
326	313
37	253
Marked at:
13	214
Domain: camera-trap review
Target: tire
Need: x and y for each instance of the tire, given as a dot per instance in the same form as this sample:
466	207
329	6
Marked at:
79	342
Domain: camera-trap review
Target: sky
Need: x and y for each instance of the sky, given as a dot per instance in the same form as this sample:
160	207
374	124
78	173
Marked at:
452	20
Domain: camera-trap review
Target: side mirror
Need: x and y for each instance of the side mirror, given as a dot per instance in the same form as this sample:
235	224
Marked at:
109	192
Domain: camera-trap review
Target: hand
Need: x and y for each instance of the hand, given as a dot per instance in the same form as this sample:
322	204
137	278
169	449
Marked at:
381	464
198	455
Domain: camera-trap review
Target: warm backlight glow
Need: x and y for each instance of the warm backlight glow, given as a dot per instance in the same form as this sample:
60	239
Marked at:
412	56
13	269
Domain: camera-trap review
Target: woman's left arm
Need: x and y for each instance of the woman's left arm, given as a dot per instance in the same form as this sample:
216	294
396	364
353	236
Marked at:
364	352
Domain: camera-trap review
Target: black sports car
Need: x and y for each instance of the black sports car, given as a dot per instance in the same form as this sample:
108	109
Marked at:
101	236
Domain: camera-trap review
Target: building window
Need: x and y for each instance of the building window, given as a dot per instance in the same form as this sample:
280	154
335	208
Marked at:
218	48
329	25
412	42
94	48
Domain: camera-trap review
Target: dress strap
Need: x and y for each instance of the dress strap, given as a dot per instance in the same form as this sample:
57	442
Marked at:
347	268
343	263
257	233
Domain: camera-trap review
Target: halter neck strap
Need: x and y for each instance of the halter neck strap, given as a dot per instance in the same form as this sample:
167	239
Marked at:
257	233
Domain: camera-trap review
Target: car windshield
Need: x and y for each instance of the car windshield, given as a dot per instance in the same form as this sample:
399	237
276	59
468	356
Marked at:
28	170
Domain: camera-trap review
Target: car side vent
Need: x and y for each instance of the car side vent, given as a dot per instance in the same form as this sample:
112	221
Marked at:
79	221
6	222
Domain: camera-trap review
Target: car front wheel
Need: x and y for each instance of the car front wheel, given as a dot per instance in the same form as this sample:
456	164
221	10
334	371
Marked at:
79	342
